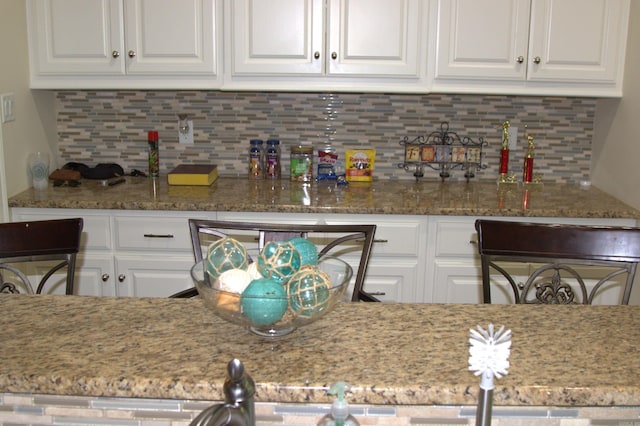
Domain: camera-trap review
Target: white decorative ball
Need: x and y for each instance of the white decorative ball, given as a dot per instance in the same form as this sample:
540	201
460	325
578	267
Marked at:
234	280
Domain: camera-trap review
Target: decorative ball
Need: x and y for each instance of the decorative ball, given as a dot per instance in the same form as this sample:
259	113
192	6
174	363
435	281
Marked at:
278	260
308	251
234	280
308	291
264	301
228	302
224	254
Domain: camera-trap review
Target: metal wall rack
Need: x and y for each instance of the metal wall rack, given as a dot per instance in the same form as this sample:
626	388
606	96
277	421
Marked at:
443	151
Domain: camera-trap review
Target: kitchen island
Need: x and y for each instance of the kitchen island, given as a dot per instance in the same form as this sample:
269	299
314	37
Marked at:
409	357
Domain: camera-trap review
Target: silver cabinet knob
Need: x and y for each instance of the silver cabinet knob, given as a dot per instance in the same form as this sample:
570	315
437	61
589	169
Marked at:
121	277
334	55
105	278
115	54
316	55
131	54
520	59
536	60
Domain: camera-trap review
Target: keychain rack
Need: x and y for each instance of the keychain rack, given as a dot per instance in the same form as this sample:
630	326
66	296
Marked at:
443	151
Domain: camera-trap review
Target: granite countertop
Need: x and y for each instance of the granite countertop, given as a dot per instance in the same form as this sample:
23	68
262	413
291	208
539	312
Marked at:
378	197
391	353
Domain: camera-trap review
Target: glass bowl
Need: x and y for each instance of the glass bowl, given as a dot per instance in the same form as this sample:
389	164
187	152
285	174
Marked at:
270	315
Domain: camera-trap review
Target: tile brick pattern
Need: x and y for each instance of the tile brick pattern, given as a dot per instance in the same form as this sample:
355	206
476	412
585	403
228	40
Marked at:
110	126
32	409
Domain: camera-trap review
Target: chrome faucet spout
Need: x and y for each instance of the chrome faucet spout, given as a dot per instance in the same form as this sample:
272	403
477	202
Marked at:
239	407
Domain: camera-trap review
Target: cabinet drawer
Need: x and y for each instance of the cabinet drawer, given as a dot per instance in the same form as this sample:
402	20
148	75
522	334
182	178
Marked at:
144	233
398	239
96	229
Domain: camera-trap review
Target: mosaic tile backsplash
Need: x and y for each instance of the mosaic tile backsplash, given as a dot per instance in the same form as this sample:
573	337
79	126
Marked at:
111	126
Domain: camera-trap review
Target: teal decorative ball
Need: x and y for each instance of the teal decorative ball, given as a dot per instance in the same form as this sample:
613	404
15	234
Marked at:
225	254
264	301
308	291
308	251
278	260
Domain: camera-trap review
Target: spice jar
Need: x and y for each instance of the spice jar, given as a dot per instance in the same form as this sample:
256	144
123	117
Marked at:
301	163
256	160
273	158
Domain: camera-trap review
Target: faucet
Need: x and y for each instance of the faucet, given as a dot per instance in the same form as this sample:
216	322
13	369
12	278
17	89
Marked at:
239	406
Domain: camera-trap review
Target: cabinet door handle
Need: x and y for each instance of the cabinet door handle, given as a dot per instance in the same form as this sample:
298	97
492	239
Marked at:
121	277
520	59
334	55
537	60
132	54
316	55
104	277
115	54
158	235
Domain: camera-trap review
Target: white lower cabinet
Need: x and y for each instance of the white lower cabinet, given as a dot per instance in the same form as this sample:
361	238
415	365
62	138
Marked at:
453	263
127	253
432	259
396	269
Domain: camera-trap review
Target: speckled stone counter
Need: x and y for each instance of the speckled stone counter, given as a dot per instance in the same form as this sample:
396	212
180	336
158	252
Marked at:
391	354
380	197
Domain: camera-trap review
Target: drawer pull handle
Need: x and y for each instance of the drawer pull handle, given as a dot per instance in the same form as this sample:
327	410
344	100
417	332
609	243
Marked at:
377	293
121	277
374	240
158	235
105	277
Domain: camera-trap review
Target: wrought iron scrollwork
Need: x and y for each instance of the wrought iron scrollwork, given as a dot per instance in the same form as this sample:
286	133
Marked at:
443	150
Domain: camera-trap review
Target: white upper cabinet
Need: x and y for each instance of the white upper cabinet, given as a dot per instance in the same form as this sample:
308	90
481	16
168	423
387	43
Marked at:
124	43
368	45
551	47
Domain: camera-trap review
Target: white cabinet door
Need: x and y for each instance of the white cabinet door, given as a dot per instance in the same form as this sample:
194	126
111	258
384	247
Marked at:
276	37
95	276
483	39
531	46
82	37
326	44
152	276
570	46
374	37
171	37
137	44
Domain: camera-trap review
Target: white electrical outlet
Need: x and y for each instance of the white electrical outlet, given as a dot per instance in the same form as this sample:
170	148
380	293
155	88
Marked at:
185	135
7	104
513	137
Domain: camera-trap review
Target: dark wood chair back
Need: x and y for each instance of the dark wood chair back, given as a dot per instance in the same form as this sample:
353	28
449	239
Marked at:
333	240
39	241
557	255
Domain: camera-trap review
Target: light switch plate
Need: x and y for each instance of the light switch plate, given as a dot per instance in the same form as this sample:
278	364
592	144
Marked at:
7	104
186	137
